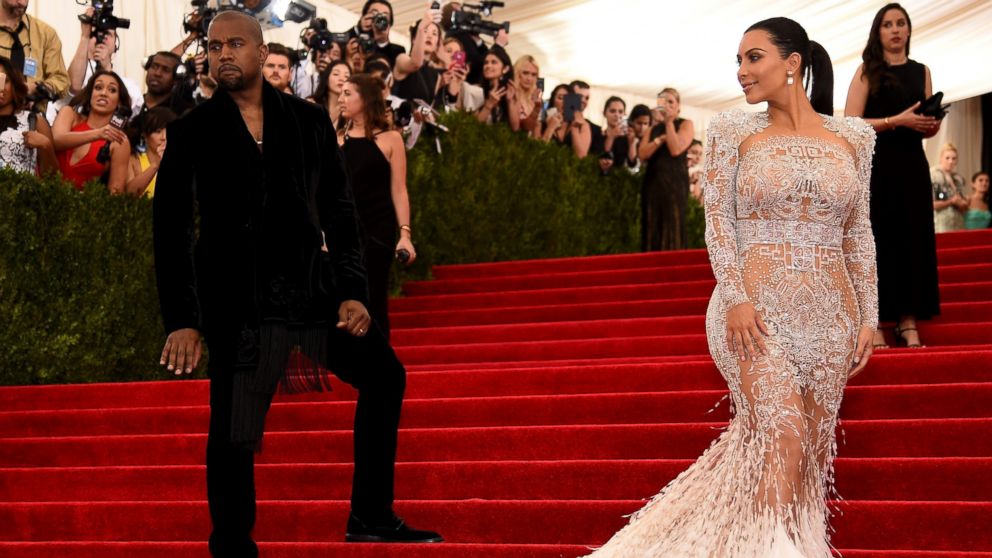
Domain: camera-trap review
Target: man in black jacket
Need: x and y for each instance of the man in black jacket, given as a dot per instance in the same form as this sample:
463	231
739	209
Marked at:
274	280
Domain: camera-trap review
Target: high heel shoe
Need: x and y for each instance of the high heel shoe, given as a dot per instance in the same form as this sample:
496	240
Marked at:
901	339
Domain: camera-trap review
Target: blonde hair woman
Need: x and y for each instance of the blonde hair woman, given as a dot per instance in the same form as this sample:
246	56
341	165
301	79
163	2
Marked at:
950	195
526	110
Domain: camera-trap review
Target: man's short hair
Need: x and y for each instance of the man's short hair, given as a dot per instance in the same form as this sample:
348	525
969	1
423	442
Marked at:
281	50
254	28
578	84
368	5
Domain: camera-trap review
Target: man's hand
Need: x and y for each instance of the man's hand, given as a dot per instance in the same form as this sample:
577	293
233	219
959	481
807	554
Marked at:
354	318
102	55
502	38
182	351
84	27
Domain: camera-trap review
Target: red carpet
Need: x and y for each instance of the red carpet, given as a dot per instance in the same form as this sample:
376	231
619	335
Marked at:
545	400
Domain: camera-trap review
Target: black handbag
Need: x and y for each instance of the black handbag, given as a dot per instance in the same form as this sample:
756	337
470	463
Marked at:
932	106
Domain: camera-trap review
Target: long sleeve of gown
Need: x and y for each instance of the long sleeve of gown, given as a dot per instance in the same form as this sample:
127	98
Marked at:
859	242
174	235
719	178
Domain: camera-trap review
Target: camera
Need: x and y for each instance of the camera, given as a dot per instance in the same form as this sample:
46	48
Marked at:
380	22
103	20
321	39
470	19
366	43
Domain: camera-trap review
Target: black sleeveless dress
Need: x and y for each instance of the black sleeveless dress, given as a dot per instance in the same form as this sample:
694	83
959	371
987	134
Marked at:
902	203
664	198
371	177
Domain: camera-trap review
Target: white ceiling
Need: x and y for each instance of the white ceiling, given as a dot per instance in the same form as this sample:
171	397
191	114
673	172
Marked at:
639	46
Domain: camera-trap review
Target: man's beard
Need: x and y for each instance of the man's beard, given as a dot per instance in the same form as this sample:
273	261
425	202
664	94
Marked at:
230	81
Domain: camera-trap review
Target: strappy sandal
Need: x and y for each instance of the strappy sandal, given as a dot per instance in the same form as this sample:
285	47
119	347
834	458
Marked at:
901	340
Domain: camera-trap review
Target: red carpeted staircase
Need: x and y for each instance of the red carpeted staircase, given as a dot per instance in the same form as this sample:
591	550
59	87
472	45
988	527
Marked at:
546	400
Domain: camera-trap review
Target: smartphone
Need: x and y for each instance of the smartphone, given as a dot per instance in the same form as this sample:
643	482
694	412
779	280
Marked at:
504	80
540	84
458	59
573	104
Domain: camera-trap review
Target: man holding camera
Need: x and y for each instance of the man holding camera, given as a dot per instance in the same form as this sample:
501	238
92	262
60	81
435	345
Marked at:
92	55
376	22
34	48
260	176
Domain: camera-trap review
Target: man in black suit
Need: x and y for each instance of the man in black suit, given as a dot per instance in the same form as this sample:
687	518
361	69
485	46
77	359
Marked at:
274	280
597	145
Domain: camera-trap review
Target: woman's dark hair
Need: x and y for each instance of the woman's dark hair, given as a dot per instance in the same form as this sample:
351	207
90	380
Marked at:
639	111
975	176
695	142
554	93
614	99
18	89
155	119
81	102
322	92
487	85
370	89
874	54
788	36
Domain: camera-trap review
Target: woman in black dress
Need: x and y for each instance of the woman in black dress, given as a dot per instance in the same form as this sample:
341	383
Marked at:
886	90
665	191
375	158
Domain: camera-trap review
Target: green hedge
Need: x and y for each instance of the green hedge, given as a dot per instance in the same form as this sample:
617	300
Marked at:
77	286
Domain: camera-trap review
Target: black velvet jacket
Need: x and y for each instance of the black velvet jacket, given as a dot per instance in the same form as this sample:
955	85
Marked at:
238	232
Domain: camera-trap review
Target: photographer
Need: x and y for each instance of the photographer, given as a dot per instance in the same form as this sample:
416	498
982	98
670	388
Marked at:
306	78
92	55
22	148
376	22
416	77
587	138
277	69
459	94
555	128
665	192
34	49
497	86
619	144
475	48
87	143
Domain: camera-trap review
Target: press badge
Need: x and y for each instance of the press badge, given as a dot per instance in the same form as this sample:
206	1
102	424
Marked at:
30	67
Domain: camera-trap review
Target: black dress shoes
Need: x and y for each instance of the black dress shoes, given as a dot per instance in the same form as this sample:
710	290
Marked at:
392	530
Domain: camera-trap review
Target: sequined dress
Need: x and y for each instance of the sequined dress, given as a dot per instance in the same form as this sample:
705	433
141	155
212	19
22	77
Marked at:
787	229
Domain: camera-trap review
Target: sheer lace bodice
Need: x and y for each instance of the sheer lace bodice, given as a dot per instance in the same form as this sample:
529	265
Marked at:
787	230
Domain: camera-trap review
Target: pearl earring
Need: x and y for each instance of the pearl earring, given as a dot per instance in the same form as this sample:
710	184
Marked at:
789	81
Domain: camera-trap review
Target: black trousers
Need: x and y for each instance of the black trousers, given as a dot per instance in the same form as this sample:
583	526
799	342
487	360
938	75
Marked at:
379	256
367	363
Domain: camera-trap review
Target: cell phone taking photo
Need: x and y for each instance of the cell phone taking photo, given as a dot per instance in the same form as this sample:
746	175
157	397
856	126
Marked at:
573	105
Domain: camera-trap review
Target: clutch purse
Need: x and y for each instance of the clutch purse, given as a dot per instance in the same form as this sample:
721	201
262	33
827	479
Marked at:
932	106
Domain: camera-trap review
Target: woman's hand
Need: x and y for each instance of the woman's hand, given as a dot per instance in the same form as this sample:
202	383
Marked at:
746	331
862	351
406	244
913	121
111	133
495	96
37	140
554	122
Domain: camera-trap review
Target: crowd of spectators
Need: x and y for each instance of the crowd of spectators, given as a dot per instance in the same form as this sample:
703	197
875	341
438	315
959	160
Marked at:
447	69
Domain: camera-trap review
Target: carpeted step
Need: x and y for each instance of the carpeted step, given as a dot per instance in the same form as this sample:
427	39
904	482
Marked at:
946	273
891	367
860	403
864	438
918	479
953	248
968	291
888	525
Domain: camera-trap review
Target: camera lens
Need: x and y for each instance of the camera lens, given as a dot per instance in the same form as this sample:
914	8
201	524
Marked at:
381	22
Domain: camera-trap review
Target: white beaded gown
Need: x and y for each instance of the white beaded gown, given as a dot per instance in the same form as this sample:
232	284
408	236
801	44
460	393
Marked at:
787	229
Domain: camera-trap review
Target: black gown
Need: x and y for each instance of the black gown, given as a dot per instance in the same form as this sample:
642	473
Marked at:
371	179
664	198
902	203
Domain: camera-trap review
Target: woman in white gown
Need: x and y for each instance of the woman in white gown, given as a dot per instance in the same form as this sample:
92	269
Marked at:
791	319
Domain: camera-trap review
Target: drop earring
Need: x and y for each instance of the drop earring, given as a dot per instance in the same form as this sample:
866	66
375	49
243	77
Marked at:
789	80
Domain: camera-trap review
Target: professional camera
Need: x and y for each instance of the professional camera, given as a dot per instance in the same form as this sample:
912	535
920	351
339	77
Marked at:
366	43
470	19
103	20
380	22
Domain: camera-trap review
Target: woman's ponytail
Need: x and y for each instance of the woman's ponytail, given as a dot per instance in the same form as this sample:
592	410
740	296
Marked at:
821	70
